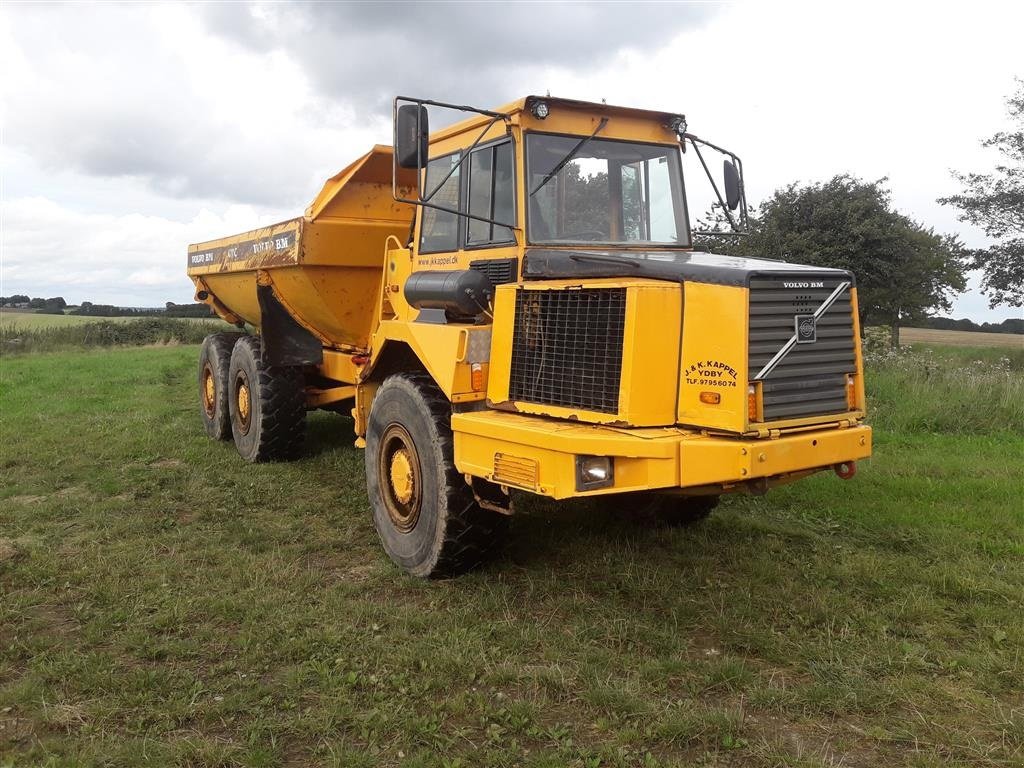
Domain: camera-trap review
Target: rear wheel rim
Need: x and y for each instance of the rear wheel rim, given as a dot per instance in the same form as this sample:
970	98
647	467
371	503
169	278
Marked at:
399	470
243	402
208	391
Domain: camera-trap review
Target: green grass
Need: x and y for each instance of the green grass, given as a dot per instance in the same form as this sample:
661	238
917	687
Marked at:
931	388
31	320
16	339
165	604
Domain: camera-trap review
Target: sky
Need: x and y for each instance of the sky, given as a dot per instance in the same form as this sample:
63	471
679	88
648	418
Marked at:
128	131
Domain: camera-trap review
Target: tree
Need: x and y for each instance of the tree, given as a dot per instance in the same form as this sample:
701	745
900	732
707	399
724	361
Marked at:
995	202
903	269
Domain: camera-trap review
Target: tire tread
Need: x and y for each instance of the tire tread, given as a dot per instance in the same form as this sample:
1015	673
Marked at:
281	392
471	533
218	346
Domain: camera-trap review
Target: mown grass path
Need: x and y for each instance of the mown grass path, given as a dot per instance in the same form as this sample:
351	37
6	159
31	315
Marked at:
162	603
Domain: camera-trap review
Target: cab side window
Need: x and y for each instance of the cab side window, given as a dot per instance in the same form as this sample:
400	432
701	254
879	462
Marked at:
491	195
440	229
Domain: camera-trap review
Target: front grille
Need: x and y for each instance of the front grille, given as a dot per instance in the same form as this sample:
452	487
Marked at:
567	348
811	379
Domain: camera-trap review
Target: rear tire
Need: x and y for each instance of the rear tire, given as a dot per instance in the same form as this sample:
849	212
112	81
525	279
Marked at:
425	513
214	362
267	405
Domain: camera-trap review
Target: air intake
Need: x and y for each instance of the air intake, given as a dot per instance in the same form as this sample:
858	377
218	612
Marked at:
810	379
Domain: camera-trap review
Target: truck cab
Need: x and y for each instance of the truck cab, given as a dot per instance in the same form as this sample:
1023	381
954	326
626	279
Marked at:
536	319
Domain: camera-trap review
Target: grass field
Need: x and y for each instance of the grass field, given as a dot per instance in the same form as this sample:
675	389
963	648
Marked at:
165	604
34	320
961	338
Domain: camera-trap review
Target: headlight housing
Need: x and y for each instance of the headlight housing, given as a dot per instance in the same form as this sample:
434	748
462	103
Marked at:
594	472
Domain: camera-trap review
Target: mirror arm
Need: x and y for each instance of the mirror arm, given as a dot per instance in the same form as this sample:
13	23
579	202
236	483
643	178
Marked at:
744	217
422	161
714	185
465	154
466	215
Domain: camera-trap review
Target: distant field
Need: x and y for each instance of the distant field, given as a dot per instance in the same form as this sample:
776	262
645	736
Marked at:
166	604
34	320
961	338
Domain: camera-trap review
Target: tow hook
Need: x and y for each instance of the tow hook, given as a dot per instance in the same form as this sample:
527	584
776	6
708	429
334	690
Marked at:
846	469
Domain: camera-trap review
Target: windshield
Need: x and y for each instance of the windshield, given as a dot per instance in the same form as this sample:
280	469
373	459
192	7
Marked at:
609	192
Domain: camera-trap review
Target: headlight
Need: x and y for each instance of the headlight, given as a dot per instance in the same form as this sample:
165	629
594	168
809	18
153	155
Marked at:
594	472
539	109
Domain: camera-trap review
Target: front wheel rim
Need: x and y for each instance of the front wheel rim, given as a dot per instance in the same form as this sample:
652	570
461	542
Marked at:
398	468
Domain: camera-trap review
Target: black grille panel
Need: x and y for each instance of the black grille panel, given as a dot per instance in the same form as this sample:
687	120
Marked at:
811	379
567	348
498	271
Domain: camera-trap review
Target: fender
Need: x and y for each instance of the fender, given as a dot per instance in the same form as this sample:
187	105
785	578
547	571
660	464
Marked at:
285	342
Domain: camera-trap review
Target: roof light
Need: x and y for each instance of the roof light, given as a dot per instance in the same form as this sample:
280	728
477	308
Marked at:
539	109
677	125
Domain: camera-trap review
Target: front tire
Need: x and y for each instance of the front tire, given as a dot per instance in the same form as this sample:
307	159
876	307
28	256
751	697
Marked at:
425	513
267	405
214	362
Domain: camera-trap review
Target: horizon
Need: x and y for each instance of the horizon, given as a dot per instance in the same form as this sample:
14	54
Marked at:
102	194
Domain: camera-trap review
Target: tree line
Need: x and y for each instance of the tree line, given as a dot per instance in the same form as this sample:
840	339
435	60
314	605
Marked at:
58	306
54	305
905	271
1011	325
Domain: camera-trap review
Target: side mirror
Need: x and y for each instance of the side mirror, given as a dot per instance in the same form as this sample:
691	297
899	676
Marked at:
732	185
412	133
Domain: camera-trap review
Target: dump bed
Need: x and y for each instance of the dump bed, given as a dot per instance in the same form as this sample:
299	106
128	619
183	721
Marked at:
324	267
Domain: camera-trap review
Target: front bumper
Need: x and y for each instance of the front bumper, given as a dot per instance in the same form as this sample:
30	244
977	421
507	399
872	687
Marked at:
539	455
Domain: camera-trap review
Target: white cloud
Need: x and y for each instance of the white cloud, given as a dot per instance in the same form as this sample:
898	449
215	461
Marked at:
132	130
185	112
127	259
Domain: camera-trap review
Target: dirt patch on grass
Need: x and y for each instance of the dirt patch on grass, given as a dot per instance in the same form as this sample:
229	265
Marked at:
72	491
166	464
26	499
8	551
65	715
13	729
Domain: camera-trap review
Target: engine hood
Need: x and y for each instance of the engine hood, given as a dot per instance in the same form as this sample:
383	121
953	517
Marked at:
677	266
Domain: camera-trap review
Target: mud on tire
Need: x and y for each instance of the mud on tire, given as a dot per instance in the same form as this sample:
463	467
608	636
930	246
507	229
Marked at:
425	513
267	405
214	362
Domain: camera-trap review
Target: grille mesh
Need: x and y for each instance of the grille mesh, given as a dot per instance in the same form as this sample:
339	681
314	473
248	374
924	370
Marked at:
811	380
567	348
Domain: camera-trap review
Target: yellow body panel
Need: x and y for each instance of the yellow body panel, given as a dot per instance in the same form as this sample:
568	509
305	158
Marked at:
714	356
326	267
650	361
673	458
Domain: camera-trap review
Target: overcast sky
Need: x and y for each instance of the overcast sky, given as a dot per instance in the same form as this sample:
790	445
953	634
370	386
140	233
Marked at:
129	131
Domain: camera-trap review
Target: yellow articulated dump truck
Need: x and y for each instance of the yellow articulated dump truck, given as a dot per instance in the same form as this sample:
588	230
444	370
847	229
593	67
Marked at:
513	302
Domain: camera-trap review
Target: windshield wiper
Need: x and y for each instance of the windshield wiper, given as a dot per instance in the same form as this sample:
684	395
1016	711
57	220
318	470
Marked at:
572	153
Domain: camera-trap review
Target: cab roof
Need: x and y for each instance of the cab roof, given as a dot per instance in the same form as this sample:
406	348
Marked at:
554	102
